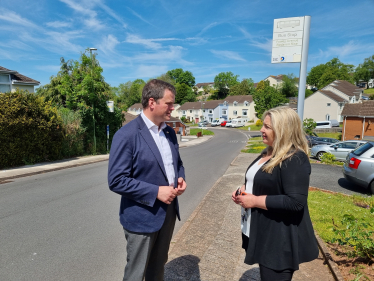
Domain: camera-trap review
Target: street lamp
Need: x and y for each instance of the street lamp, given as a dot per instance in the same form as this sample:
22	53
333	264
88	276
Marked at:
93	108
202	113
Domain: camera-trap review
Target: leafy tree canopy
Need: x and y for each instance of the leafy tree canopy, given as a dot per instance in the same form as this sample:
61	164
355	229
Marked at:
309	125
323	74
267	97
184	94
182	77
246	87
288	87
365	71
223	82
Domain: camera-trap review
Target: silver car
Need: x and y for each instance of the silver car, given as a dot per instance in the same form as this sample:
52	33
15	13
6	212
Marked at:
339	149
359	166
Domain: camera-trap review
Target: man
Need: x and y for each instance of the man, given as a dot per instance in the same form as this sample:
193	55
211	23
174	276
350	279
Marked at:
146	170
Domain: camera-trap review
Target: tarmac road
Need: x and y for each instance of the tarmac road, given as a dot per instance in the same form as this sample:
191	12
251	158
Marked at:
63	225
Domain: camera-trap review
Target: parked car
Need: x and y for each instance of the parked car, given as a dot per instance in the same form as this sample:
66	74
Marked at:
228	123
334	123
320	140
323	125
223	123
359	164
215	123
201	124
310	140
205	122
339	149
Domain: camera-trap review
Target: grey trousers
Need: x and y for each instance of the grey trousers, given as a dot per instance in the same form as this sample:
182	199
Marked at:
147	253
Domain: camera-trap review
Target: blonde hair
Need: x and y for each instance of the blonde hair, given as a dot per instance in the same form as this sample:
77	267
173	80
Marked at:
289	136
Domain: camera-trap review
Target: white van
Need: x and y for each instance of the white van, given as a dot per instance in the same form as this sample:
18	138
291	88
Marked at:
237	122
324	124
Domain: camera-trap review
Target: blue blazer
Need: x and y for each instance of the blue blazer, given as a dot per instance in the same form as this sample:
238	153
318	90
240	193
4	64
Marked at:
136	170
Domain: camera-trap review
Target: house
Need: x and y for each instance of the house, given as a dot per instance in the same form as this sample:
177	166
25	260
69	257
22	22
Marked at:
178	126
238	107
200	86
275	81
328	103
128	117
137	108
11	80
358	120
199	111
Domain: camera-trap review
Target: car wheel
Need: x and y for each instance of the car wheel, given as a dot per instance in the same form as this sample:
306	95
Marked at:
319	155
371	187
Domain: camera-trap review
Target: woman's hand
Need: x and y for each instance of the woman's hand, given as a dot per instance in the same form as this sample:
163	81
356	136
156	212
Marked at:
234	197
251	201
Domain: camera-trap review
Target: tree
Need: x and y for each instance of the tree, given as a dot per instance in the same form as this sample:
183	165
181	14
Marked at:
308	92
184	94
323	74
122	94
135	94
267	97
288	87
223	82
309	125
166	78
362	74
246	87
80	86
182	77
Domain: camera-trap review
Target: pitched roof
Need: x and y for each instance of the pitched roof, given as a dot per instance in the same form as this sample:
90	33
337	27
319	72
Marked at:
345	87
128	117
364	109
18	78
204	84
332	96
239	99
278	77
135	106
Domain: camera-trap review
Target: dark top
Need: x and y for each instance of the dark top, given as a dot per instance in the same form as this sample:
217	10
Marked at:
282	237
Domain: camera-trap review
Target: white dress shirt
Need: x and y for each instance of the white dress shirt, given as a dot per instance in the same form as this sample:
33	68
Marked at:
163	146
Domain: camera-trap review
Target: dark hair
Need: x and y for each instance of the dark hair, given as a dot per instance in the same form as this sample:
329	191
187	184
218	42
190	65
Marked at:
155	89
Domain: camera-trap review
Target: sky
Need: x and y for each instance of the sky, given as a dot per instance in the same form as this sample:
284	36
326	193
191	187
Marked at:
146	38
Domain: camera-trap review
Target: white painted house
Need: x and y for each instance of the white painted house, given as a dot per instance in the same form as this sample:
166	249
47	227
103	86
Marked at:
239	106
137	108
199	111
328	103
11	80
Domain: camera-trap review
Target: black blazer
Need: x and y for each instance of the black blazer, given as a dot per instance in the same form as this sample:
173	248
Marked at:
282	237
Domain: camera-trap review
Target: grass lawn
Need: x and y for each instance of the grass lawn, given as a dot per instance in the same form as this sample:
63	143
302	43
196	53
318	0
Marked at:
206	132
255	145
337	136
369	91
324	207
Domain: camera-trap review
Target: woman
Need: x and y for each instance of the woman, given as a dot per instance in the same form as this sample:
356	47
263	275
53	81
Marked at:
276	228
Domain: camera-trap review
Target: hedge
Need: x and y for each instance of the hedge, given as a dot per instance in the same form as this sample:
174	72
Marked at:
30	130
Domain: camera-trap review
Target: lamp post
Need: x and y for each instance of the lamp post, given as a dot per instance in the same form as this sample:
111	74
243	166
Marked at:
202	113
93	108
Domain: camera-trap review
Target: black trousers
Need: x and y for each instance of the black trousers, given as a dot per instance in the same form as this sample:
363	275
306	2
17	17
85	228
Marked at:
268	274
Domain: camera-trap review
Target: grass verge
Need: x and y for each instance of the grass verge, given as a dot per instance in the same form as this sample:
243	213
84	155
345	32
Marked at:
337	136
325	207
206	132
253	128
255	146
369	91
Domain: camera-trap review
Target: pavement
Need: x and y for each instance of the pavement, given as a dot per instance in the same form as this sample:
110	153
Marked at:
208	245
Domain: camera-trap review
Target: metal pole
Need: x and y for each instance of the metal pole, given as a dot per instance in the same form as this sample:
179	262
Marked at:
93	108
303	68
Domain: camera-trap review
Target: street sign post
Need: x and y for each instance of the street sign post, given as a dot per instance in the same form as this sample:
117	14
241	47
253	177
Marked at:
290	45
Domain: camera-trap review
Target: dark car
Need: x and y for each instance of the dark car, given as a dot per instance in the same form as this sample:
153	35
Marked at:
310	139
319	140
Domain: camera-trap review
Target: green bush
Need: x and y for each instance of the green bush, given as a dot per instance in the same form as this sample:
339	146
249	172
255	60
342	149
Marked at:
309	125
30	129
328	158
259	123
73	133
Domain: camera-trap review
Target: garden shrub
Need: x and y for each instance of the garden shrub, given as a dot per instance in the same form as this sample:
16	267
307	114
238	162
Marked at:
30	129
73	133
328	158
259	122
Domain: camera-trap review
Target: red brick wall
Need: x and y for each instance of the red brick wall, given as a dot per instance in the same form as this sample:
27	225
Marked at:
353	127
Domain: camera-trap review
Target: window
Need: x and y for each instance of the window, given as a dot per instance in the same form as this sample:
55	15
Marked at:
235	103
327	117
328	104
235	112
245	103
245	112
362	149
184	112
203	110
210	111
191	111
224	112
4	83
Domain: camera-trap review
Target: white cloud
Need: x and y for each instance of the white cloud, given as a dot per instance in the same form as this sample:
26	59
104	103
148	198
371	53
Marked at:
14	18
174	54
148	43
108	44
228	54
49	68
264	44
139	16
213	24
150	70
110	12
58	24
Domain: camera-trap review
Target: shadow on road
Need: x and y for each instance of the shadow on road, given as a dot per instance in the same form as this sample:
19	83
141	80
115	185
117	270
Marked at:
182	268
352	187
